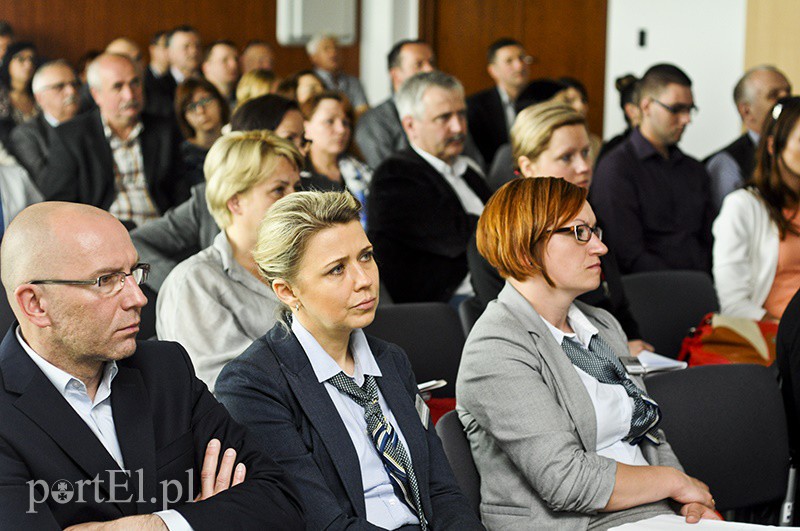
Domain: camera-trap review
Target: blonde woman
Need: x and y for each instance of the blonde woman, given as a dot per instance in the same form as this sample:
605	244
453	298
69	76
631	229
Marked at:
215	303
255	83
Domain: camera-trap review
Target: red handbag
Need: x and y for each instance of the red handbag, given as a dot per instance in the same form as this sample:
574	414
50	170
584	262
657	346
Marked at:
724	339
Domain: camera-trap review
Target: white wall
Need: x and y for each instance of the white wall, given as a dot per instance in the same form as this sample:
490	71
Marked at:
706	38
383	22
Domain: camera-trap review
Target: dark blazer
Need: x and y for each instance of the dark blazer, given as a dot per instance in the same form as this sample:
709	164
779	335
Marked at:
164	417
159	94
273	390
486	120
419	228
81	165
30	144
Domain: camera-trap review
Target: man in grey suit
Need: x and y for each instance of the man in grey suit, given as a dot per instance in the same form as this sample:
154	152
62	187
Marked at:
55	88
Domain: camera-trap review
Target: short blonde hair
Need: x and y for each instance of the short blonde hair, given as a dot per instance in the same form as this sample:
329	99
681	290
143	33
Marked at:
290	224
535	125
255	83
235	162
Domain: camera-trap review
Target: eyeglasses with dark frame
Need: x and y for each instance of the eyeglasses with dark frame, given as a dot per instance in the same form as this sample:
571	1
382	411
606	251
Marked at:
679	108
110	283
201	103
583	232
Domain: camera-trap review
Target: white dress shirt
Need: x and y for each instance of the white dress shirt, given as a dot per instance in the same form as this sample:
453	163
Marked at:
97	414
508	107
612	406
384	508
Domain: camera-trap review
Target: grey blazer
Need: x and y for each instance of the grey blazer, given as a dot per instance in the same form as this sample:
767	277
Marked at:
532	425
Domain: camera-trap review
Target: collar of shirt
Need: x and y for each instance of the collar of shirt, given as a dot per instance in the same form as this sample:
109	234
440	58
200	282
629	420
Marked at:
61	379
754	136
645	150
177	75
457	169
324	366
50	120
583	329
508	106
328	78
234	269
111	137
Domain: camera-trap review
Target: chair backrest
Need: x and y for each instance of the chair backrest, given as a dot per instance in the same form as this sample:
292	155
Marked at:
147	326
7	316
469	311
456	448
727	426
431	335
666	304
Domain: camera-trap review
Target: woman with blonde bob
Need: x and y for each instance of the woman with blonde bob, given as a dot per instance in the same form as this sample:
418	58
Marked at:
322	396
562	436
255	83
553	139
216	303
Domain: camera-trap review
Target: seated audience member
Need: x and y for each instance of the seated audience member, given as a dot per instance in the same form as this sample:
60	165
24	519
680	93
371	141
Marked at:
256	83
754	95
18	65
560	433
537	91
6	37
114	157
256	55
577	97
189	228
159	56
653	201
201	112
425	200
378	132
323	51
329	166
334	406
221	68
215	303
83	402
757	232
301	86
628	88
490	113
55	88
185	53
552	139
16	192
158	92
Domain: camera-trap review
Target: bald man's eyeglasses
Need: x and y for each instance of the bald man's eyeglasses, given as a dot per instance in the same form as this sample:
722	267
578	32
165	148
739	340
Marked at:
108	284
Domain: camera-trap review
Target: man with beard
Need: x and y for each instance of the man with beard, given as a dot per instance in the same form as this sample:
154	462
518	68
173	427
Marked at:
425	200
652	200
55	88
114	157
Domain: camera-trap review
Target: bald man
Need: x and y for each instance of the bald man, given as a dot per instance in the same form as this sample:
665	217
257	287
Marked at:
82	401
116	158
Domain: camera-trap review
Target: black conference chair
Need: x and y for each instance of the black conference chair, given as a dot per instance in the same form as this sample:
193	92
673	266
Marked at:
666	304
727	426
431	335
456	448
469	311
147	326
6	315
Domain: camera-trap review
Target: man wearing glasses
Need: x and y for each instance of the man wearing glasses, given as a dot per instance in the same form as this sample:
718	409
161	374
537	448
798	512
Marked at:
653	200
97	426
55	88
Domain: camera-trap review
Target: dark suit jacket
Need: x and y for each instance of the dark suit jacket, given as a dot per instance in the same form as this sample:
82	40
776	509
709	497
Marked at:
419	228
486	120
272	389
30	144
164	417
159	94
81	165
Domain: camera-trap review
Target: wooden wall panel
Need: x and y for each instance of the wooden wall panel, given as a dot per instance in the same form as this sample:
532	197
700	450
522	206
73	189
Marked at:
565	37
68	28
772	36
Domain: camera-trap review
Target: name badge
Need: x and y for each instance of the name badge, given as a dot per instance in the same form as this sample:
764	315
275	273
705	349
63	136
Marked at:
423	411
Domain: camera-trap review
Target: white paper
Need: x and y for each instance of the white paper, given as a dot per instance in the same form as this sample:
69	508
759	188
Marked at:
669	522
653	362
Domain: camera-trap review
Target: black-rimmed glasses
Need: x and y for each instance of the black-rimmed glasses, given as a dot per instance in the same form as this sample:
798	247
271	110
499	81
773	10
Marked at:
202	102
679	108
583	232
109	284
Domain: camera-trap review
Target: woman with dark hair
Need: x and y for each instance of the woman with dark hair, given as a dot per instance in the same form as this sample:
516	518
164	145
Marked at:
562	436
576	96
16	73
301	86
757	233
627	86
201	112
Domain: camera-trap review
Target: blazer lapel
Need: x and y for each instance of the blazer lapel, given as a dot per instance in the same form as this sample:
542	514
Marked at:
577	403
106	190
316	404
133	420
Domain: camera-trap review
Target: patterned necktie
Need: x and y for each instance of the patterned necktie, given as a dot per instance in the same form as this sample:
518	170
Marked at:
600	362
395	459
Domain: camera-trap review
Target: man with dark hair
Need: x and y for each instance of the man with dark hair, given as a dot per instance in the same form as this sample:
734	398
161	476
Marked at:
159	87
221	68
159	57
184	52
257	54
754	95
652	200
491	113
